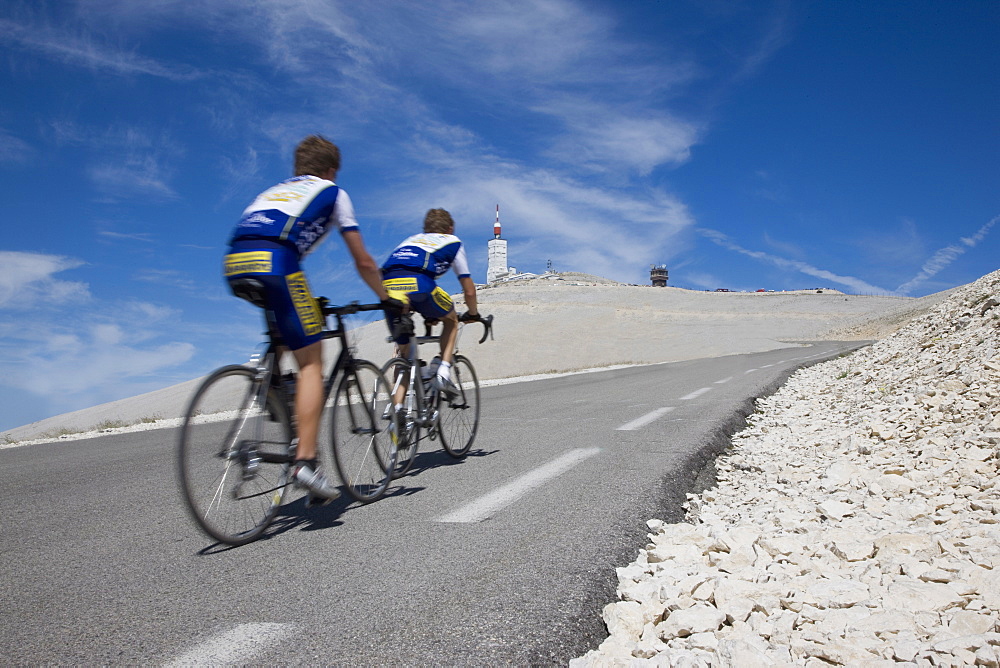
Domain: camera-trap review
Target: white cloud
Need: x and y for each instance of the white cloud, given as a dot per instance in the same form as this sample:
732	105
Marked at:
103	366
81	355
85	51
945	256
855	284
604	138
129	161
27	280
615	233
13	149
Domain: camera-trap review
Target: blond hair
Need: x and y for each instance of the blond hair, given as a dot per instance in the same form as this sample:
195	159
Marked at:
439	221
315	155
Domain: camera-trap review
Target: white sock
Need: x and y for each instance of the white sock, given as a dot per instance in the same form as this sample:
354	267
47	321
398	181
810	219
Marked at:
444	370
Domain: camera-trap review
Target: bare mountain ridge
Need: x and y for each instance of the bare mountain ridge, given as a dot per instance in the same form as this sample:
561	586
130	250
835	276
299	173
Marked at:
582	322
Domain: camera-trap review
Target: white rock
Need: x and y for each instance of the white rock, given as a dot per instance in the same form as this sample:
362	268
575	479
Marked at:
921	596
856	522
697	619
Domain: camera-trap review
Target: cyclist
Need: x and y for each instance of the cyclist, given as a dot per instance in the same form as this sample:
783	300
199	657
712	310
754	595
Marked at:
410	275
281	225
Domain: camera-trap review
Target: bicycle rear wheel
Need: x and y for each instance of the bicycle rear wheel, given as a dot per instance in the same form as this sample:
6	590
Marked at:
458	418
403	428
233	455
362	448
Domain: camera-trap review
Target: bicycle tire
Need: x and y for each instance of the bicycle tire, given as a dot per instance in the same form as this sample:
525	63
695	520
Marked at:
231	489
362	449
404	428
458	418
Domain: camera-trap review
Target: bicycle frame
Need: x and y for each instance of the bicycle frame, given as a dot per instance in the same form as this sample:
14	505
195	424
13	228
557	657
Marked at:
428	412
268	373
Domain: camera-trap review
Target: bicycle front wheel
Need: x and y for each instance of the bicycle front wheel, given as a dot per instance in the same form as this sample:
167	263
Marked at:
233	455
404	428
362	448
458	418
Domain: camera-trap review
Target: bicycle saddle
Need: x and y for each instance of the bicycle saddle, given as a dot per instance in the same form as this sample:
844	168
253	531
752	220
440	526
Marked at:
250	289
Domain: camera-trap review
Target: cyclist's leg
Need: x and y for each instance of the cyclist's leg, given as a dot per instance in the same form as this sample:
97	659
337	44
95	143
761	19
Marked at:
309	397
449	332
300	323
399	286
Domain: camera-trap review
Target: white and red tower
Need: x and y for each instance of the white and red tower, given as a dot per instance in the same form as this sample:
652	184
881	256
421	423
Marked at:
497	261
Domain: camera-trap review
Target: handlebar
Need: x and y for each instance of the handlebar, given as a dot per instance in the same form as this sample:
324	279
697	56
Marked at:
465	318
347	309
487	324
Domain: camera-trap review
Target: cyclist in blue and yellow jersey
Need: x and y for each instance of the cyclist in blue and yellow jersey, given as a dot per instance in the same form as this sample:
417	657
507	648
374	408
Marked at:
410	275
281	225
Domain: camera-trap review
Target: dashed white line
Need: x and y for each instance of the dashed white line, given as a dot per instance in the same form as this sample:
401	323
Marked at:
488	505
239	645
641	422
724	380
696	394
749	371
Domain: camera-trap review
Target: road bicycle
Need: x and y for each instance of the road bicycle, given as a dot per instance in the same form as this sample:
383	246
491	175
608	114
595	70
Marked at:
237	445
427	412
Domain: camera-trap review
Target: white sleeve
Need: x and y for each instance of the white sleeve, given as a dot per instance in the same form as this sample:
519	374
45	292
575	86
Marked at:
461	263
343	212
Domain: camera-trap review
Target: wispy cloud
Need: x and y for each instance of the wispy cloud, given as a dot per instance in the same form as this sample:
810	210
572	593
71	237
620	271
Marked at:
168	277
28	280
114	349
85	51
855	284
109	234
128	161
641	142
13	149
945	256
103	365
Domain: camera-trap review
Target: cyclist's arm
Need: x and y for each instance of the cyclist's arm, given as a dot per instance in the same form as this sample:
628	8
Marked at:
365	263
469	291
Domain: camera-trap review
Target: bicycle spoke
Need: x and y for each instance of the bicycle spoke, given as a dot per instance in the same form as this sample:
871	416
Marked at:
363	452
458	420
235	502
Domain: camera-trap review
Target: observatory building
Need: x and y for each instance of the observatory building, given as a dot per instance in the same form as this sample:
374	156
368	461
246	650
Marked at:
658	275
497	267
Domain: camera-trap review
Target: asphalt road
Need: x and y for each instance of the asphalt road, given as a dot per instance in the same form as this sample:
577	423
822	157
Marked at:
506	557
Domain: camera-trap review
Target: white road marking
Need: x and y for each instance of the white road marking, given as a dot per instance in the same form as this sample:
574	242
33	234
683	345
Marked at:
641	422
724	380
239	645
696	394
486	506
749	371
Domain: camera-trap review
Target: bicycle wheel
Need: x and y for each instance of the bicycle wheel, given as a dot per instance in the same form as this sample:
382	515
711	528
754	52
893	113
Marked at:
403	428
233	455
362	448
458	418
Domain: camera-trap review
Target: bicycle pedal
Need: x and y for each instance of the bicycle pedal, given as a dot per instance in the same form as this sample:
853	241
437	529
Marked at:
251	468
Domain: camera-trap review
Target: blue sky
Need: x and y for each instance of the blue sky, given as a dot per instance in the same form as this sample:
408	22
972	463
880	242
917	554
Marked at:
759	144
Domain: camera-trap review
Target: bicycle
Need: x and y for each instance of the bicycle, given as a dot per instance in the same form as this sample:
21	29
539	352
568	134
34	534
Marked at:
236	446
455	419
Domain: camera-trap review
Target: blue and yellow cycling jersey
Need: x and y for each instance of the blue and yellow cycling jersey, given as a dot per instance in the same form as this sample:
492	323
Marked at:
429	254
298	213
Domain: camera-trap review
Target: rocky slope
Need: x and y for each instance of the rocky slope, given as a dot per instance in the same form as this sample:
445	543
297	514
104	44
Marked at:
856	520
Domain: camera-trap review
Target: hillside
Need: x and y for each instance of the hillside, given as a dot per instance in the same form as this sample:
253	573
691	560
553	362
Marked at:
582	322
